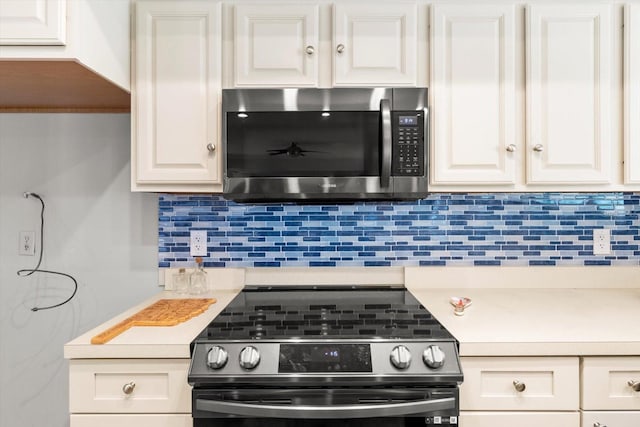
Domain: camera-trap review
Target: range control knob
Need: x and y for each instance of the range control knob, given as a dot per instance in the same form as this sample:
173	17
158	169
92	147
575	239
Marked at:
400	357
249	357
217	357
433	357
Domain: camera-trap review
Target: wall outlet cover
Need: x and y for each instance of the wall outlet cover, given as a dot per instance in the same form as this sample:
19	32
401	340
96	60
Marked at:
27	243
601	241
198	244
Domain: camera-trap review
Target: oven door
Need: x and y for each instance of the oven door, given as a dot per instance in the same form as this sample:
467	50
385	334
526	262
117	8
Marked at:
316	407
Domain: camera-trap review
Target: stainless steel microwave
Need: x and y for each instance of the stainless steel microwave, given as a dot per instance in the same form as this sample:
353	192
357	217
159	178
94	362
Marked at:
325	144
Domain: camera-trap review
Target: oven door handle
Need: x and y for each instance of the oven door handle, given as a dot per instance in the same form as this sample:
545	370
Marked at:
385	169
325	412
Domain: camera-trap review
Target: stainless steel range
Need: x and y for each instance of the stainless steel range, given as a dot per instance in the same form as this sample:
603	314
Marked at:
326	356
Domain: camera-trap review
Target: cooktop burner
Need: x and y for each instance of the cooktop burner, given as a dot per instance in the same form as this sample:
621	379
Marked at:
268	313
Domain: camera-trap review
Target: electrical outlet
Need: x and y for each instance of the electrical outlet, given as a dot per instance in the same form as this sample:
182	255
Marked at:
27	243
198	242
601	241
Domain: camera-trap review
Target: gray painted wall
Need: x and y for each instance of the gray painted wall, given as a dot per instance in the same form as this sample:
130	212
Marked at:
95	229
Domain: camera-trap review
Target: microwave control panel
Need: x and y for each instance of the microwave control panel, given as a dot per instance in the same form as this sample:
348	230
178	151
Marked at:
408	143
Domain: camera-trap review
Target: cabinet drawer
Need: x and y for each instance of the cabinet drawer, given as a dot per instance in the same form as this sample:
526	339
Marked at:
155	386
131	420
611	419
545	383
605	383
520	419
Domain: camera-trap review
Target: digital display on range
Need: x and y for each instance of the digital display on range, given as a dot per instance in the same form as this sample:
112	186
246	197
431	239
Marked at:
408	120
324	358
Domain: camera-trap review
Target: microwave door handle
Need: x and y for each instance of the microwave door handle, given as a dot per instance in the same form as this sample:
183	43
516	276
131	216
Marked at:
326	411
385	171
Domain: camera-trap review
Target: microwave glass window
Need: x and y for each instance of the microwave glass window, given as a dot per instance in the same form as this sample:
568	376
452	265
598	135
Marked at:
303	143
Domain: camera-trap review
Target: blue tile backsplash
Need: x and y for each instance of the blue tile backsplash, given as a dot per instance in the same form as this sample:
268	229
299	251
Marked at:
498	229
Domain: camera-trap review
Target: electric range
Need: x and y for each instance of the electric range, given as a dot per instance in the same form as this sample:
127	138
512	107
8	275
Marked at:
303	356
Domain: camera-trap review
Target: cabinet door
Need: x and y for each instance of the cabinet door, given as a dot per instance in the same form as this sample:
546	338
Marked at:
176	94
569	90
519	419
129	386
33	22
610	419
520	384
375	44
473	89
276	45
610	383
632	95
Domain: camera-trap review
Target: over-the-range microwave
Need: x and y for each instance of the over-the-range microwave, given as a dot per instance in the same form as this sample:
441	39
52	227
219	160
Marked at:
325	144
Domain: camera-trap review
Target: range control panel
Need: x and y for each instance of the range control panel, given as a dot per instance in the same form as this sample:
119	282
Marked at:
408	143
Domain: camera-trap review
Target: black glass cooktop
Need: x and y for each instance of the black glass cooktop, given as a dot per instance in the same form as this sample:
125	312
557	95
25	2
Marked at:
324	313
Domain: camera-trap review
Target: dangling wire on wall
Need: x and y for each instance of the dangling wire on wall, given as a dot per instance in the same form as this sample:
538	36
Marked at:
36	269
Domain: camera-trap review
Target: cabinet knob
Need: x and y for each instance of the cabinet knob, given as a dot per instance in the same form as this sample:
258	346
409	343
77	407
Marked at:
597	424
128	387
635	385
511	148
340	48
520	387
538	147
211	147
310	50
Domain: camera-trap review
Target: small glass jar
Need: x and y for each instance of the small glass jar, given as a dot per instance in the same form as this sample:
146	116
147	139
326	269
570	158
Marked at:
181	281
198	279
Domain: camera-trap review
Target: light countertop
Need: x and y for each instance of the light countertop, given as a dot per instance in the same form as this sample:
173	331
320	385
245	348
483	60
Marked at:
515	311
149	341
531	322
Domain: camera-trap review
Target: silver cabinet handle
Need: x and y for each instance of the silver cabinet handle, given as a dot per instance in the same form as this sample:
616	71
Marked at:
211	147
538	147
635	385
520	387
340	48
597	424
310	50
511	148
128	387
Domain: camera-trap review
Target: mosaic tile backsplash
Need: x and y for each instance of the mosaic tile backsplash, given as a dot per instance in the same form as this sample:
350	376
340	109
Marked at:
508	229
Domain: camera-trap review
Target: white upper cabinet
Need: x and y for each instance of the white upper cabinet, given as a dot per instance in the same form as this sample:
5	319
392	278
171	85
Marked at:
276	45
175	130
632	94
569	92
293	45
33	22
375	44
473	89
78	38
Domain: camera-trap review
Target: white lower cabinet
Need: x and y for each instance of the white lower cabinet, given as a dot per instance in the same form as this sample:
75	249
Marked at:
610	419
610	383
520	391
129	393
610	391
131	420
519	419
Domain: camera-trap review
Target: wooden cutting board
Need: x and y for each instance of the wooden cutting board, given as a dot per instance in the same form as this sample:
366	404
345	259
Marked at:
164	312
